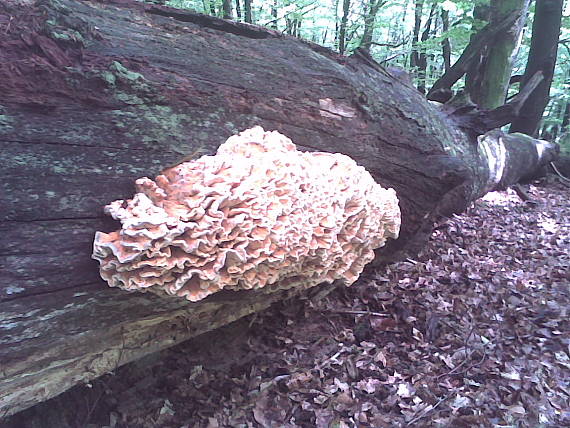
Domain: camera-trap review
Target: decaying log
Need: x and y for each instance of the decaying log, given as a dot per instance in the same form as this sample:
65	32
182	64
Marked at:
97	94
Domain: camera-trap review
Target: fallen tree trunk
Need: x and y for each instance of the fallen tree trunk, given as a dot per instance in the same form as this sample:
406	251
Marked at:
95	95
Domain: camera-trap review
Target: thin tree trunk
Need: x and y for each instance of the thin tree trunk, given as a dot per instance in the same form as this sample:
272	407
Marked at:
247	7
548	129
556	129
481	12
274	8
238	10
403	29
542	57
369	22
445	44
566	119
336	24
422	57
566	114
471	55
343	24
418	11
227	9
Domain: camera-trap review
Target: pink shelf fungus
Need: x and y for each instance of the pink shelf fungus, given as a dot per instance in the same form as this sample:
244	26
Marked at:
257	214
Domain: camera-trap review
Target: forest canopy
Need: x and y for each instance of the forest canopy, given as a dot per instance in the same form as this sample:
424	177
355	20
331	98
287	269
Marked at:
422	37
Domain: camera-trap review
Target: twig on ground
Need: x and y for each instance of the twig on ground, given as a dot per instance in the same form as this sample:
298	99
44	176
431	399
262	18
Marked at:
468	353
558	172
419	417
324	292
327	361
253	319
351	312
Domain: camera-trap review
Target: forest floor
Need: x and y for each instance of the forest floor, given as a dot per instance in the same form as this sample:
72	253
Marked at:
474	332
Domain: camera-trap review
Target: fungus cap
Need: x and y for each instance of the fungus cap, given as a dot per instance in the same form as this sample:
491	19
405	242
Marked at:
257	214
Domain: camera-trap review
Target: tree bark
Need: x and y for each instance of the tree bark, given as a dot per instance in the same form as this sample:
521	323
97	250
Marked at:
124	101
238	10
343	24
565	119
418	12
422	58
445	44
470	57
274	8
497	67
542	57
247	7
481	13
227	9
369	21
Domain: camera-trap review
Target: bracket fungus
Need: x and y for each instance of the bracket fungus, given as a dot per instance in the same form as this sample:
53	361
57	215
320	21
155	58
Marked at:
257	214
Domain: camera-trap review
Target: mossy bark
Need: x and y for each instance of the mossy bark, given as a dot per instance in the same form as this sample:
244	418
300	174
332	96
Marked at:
497	67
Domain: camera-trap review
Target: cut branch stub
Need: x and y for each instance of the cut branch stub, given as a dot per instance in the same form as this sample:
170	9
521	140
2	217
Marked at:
258	214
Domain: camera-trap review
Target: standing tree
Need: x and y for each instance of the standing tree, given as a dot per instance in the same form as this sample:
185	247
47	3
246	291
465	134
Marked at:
274	8
227	9
481	12
473	60
238	10
564	126
247	7
495	70
343	24
445	44
422	58
541	58
369	21
414	56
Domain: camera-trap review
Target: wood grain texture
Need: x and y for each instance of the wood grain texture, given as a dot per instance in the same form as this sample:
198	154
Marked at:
51	342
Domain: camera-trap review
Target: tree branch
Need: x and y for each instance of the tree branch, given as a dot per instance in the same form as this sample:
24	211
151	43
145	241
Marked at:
469	117
512	108
299	11
390	45
481	39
